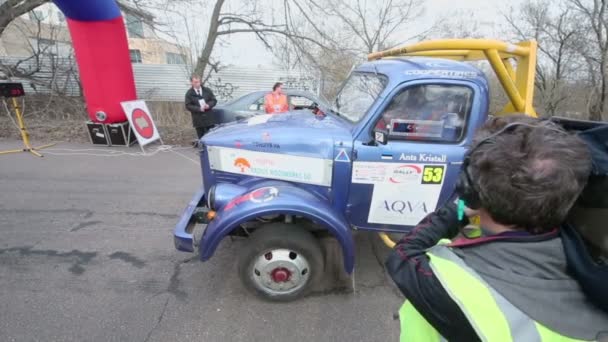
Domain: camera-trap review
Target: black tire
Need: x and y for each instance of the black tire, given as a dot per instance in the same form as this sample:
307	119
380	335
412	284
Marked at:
276	236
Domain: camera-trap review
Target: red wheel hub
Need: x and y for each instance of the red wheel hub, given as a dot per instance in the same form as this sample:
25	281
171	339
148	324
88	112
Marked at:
280	275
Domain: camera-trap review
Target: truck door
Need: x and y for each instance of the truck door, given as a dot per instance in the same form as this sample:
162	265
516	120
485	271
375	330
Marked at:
394	186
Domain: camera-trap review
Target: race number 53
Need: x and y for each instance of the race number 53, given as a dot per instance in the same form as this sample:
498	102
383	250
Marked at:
432	174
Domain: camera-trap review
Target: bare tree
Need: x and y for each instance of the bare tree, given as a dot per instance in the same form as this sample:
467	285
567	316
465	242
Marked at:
594	48
348	31
368	25
248	19
48	68
11	9
557	30
41	65
460	24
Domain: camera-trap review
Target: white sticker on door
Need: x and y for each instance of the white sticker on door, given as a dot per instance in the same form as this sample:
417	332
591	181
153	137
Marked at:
403	193
378	173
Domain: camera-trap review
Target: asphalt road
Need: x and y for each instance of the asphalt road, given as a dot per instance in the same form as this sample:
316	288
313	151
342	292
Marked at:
86	254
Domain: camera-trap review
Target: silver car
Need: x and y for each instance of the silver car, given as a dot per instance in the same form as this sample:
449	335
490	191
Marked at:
253	104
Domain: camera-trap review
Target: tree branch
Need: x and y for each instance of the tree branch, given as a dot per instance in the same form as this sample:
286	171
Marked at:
12	9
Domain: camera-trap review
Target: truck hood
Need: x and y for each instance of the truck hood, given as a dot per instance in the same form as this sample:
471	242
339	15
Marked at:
297	133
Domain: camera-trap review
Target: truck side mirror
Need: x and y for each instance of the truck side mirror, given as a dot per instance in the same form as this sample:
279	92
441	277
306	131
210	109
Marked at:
380	136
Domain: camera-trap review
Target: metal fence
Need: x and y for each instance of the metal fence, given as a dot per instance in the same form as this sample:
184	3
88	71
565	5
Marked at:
170	82
160	82
45	74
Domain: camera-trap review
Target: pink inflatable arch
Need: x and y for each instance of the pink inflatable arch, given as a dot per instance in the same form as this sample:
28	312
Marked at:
102	52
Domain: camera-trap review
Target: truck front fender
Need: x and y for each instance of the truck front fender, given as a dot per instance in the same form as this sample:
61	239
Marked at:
278	198
182	233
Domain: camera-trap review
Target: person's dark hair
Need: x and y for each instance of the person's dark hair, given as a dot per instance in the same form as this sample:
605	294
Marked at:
530	175
193	76
276	85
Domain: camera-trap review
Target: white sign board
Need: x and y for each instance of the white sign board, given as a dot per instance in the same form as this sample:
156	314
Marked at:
141	121
298	169
403	193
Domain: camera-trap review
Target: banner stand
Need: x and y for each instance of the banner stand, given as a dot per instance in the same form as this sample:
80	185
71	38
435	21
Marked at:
141	122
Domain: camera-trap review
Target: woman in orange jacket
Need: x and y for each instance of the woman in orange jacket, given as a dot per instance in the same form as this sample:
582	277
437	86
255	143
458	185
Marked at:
276	101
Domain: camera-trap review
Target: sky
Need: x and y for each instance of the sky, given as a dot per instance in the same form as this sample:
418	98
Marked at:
244	49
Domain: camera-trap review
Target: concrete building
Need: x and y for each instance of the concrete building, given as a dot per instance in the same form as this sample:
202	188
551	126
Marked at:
44	31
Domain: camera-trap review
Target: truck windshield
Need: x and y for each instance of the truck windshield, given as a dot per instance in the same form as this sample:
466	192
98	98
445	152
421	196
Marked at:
358	94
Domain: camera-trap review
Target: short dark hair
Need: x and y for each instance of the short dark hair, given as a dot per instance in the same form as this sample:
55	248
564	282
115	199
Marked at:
276	85
530	175
193	76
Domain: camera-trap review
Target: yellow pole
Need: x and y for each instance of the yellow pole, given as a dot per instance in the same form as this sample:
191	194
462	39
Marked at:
505	80
525	77
509	68
387	240
454	44
24	135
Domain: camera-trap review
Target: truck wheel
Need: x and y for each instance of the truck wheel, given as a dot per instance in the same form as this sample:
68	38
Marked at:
281	262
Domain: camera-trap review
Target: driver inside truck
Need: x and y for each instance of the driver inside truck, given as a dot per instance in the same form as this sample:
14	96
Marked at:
430	112
521	177
410	104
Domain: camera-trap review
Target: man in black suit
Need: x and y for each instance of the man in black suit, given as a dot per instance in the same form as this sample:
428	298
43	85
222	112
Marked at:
202	111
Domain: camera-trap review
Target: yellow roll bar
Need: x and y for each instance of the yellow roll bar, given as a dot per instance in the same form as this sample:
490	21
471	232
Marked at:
517	82
387	240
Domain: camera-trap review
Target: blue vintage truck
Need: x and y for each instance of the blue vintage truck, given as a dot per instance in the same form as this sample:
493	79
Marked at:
385	155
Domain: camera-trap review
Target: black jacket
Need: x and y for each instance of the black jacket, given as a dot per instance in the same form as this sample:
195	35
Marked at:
201	119
591	273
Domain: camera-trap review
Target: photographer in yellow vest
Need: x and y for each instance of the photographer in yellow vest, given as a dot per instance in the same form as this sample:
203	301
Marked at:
521	177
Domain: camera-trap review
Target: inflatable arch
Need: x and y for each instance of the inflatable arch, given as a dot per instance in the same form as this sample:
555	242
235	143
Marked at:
102	53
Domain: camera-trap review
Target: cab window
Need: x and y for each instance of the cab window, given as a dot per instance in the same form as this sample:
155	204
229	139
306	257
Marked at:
427	113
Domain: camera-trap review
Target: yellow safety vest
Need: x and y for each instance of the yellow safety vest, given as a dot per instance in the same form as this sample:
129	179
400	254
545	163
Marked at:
493	317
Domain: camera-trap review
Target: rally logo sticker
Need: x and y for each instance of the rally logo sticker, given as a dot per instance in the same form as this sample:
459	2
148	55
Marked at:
266	167
236	202
405	207
242	163
269	164
263	195
403	194
266	145
342	156
405	173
